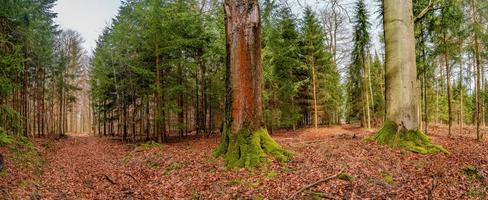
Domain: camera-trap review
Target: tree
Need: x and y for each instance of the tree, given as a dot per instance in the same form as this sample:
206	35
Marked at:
318	62
244	142
359	71
447	26
283	59
402	122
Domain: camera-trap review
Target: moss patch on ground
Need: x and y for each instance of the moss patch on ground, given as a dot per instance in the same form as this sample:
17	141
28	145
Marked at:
410	140
250	148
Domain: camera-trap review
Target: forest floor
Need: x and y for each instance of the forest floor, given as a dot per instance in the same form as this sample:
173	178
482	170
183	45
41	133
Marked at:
89	167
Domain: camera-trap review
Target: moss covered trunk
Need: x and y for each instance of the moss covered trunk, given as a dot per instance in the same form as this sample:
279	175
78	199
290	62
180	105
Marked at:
244	141
401	128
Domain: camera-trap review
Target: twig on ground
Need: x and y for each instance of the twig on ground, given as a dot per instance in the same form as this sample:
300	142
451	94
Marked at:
126	173
109	179
314	184
434	185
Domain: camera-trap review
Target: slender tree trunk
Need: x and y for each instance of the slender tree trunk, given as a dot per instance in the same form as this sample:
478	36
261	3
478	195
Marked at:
461	114
366	92
448	78
314	91
479	134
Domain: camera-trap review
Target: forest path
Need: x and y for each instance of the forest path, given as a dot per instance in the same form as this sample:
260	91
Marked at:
83	166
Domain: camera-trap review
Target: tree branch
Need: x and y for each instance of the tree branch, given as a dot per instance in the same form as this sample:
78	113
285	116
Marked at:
314	184
424	11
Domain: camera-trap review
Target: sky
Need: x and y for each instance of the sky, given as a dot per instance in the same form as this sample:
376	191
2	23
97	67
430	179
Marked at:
88	17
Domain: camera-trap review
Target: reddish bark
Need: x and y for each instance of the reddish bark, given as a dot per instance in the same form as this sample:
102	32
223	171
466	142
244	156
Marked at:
244	60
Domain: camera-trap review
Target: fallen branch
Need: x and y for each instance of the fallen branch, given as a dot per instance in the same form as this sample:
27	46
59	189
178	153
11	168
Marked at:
314	184
109	179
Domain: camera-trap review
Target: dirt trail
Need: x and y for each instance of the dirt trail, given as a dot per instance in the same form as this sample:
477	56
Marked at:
86	167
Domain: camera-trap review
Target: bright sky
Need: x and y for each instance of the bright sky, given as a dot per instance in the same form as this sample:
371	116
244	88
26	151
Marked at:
88	17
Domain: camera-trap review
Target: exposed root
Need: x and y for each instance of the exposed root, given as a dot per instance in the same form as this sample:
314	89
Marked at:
250	148
411	140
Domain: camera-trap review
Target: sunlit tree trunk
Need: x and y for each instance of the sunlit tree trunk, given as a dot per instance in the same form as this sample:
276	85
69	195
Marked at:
401	128
401	71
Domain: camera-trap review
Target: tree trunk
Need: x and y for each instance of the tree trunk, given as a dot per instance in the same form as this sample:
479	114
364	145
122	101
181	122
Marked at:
314	91
448	78
402	121
461	114
479	135
244	141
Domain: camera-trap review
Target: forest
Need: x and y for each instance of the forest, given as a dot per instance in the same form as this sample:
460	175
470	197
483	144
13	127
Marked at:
247	99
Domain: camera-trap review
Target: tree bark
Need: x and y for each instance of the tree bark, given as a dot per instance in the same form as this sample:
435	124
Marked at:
244	141
401	71
448	78
401	128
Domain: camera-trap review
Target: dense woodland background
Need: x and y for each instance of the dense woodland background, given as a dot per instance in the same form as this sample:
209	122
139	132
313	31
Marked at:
158	70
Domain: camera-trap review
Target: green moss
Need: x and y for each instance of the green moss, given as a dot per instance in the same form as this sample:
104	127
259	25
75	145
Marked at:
411	140
345	177
147	146
387	177
172	167
479	193
472	172
253	185
271	174
195	195
234	182
249	148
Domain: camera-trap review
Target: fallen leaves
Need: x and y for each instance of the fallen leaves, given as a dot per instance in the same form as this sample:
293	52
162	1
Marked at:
101	168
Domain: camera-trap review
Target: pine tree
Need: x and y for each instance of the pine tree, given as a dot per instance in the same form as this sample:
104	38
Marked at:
318	62
359	81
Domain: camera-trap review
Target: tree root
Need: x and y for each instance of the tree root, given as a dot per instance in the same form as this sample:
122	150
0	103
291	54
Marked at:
314	184
396	136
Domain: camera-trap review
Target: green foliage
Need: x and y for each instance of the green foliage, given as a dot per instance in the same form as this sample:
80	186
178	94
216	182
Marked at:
154	37
411	140
281	60
6	140
316	57
358	71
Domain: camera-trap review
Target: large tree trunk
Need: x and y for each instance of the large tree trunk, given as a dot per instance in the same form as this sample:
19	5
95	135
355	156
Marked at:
401	128
401	72
244	140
